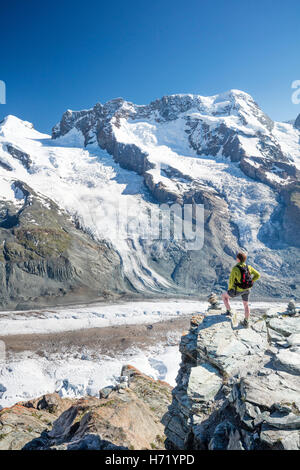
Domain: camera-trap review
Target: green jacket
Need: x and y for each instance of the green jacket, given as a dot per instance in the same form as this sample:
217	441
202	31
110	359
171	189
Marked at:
235	276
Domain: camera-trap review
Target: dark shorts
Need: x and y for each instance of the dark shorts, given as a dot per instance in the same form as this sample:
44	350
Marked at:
244	294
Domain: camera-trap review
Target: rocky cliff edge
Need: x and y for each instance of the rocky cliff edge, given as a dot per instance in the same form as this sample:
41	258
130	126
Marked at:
126	416
237	388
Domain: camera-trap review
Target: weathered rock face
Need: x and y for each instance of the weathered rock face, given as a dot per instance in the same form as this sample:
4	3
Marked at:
261	169
237	388
5	165
45	259
128	418
23	157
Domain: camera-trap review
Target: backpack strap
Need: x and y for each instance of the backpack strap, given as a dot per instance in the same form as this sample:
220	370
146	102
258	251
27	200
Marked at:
236	284
242	271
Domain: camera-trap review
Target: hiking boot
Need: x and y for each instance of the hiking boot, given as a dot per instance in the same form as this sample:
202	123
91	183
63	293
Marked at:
228	312
245	323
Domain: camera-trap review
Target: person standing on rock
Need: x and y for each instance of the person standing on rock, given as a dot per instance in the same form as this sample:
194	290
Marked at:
241	280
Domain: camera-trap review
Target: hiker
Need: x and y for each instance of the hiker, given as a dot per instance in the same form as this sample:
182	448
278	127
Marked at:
241	280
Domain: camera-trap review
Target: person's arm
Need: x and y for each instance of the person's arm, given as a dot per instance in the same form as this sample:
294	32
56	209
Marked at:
255	274
232	278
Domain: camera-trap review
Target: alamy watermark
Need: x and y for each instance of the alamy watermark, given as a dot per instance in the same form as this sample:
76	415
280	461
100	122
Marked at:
128	220
296	94
2	92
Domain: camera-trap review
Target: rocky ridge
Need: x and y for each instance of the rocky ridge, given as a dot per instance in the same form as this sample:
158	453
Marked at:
222	124
237	388
127	416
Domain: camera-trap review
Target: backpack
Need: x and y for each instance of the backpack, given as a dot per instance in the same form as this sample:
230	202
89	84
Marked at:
246	279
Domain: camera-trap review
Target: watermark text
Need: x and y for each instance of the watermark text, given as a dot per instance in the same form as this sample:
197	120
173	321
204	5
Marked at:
296	94
2	92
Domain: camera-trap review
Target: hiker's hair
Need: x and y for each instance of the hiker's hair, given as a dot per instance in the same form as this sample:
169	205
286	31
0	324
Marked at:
241	256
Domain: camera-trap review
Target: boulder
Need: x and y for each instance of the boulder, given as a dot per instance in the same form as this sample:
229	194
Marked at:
289	360
285	326
204	383
106	391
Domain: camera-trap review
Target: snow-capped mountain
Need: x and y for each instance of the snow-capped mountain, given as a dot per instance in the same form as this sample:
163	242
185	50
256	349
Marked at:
221	151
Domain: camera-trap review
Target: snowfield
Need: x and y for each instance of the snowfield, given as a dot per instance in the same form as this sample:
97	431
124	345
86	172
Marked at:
30	376
94	316
58	320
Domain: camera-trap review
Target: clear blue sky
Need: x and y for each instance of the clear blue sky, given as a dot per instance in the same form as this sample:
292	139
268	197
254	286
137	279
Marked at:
71	54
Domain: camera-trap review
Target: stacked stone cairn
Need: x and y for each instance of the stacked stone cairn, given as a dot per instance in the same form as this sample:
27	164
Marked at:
214	302
291	308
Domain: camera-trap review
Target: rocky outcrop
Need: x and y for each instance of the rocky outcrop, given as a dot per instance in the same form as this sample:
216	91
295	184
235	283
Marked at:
237	388
23	157
5	165
126	418
262	170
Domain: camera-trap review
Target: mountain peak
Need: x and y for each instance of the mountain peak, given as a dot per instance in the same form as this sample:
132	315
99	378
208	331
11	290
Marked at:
237	92
13	126
11	121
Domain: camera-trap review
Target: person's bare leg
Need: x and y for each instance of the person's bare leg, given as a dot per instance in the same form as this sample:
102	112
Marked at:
225	298
247	309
